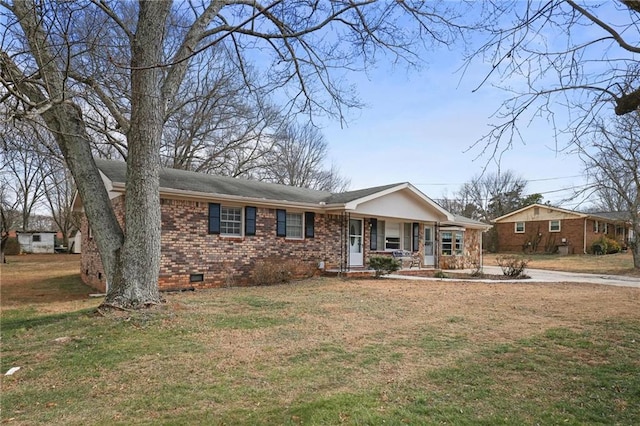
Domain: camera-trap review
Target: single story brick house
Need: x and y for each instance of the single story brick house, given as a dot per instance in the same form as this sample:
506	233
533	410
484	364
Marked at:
546	229
215	229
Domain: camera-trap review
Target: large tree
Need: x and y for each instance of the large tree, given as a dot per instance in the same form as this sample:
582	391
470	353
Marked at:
71	62
611	157
562	61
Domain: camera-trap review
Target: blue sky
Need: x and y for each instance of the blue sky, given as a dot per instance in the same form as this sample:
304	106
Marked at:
419	126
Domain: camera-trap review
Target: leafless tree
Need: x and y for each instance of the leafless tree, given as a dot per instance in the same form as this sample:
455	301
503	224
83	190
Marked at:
9	214
559	58
72	62
491	195
23	166
612	162
59	193
297	158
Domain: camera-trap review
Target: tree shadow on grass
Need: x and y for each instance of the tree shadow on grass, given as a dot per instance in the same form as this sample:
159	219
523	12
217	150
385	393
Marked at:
58	289
16	320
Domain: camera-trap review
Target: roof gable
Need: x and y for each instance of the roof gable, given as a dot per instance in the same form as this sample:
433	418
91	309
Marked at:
539	212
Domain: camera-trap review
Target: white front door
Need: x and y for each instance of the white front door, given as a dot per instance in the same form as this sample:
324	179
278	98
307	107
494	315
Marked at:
355	242
429	258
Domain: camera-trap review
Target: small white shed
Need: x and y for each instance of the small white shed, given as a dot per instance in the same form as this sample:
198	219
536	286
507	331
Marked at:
36	241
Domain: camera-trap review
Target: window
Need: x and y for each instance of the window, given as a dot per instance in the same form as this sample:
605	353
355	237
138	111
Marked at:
294	225
291	225
596	226
381	240
392	236
230	221
447	240
554	226
459	242
519	227
36	238
605	228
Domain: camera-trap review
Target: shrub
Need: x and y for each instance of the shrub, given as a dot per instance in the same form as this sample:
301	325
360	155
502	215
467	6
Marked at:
605	245
440	274
272	271
512	265
383	265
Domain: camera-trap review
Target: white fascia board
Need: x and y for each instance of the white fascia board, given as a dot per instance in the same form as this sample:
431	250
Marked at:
544	206
262	202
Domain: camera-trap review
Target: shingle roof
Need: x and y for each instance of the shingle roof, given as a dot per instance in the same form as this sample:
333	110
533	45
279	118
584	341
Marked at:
345	197
463	220
221	185
618	216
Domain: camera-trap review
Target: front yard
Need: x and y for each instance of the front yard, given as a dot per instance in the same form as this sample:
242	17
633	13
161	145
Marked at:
616	264
322	351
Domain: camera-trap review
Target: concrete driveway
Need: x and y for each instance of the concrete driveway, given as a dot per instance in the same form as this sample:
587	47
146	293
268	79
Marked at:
545	276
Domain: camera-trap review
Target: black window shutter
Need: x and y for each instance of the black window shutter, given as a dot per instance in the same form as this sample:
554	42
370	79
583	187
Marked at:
281	223
416	236
214	218
373	242
250	220
309	224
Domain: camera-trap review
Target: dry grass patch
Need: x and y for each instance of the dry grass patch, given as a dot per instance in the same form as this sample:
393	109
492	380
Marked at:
328	351
616	264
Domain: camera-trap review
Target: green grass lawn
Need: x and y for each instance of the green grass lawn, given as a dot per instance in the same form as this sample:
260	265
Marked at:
327	351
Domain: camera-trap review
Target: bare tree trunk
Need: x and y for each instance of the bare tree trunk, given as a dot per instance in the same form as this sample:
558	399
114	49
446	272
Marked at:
135	283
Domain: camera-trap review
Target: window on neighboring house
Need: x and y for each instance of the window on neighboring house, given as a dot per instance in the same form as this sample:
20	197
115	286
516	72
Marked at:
596	226
36	238
231	221
605	228
554	226
447	243
519	226
459	242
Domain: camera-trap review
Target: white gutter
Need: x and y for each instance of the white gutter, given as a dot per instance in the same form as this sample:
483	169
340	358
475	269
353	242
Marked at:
584	237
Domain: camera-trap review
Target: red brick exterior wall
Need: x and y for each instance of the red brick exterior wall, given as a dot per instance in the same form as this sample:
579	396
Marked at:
188	248
538	239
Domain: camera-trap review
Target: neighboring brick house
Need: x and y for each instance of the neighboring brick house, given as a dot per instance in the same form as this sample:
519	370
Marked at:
541	228
215	229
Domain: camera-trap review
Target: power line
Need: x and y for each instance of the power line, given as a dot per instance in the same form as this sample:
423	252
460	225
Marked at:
527	180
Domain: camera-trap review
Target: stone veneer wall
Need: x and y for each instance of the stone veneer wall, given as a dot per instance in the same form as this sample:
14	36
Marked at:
471	252
188	248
